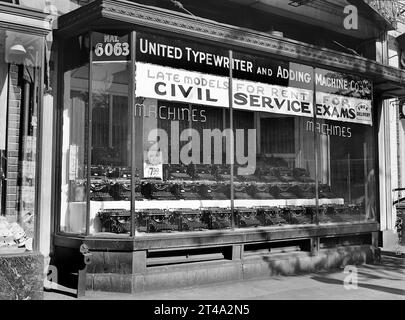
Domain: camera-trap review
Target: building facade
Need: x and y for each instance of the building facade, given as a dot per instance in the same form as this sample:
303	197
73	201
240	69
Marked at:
22	49
191	143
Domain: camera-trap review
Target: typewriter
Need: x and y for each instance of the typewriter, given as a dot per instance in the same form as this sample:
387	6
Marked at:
324	214
121	190
177	190
302	175
326	192
191	171
223	172
115	220
217	218
219	191
247	178
204	190
283	191
268	174
140	221
125	172
204	172
252	177
260	191
138	194
298	215
286	174
98	172
112	173
162	191
191	220
247	217
304	190
100	190
178	172
147	190
343	213
270	216
157	190
241	191
156	220
189	191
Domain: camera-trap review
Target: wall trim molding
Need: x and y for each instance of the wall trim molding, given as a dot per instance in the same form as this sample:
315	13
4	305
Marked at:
19	18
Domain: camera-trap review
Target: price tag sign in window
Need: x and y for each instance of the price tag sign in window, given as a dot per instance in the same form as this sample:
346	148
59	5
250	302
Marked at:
153	165
110	48
153	171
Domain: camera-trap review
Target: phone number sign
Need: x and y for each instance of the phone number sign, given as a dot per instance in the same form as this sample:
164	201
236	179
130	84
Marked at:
107	47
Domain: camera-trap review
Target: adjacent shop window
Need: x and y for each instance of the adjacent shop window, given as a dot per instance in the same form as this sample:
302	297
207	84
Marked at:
20	81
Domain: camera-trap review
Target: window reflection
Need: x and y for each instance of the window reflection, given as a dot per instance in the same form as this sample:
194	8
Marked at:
20	85
110	170
75	136
110	182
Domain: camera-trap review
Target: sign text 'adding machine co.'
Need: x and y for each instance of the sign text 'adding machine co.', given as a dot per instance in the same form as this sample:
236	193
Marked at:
177	70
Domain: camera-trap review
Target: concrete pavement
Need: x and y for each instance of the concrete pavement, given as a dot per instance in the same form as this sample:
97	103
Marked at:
382	281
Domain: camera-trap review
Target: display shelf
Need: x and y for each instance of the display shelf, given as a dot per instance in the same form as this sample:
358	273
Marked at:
96	206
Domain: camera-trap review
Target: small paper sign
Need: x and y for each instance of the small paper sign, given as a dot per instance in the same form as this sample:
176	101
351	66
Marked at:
153	165
153	171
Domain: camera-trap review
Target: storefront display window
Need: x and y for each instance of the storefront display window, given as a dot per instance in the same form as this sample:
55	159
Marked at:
346	146
273	176
20	89
110	177
171	150
74	189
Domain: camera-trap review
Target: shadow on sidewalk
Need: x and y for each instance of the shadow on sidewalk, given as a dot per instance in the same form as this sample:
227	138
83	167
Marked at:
61	291
382	275
400	292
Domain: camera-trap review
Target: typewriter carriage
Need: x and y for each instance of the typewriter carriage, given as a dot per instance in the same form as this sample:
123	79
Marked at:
246	217
115	220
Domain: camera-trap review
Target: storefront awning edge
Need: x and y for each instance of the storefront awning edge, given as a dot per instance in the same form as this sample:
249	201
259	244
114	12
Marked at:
160	19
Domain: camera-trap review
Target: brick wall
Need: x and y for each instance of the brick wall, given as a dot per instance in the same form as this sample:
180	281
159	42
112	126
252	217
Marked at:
13	138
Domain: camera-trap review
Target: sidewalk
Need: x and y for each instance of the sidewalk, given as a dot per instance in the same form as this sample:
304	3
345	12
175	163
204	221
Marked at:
382	281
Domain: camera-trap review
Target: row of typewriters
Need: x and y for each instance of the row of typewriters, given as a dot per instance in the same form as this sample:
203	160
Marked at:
205	182
161	220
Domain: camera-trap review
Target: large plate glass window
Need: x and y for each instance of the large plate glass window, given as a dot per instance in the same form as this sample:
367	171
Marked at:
187	151
21	58
182	138
276	97
346	147
186	131
110	169
75	135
